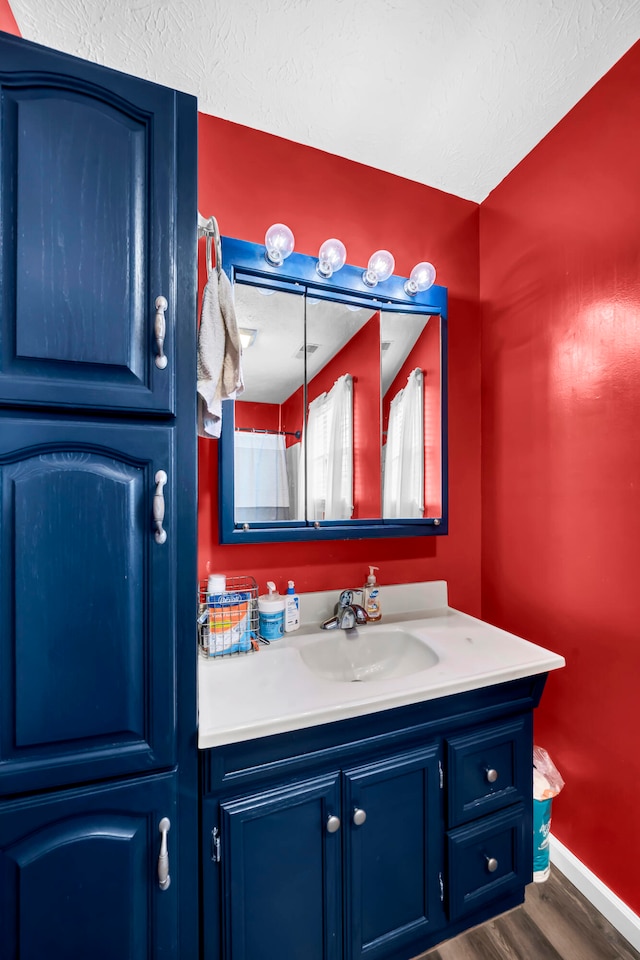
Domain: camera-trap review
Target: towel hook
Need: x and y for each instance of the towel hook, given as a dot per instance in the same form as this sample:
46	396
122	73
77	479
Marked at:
209	229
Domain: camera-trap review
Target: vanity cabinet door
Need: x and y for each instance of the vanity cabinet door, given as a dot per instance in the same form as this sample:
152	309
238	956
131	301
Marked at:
88	185
393	853
79	874
280	857
87	602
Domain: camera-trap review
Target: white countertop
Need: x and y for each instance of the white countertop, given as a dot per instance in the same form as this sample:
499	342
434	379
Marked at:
272	691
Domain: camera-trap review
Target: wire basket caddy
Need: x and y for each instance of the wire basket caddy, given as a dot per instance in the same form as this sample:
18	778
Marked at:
228	622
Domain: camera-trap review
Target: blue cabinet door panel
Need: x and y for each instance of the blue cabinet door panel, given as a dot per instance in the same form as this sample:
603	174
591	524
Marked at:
88	180
282	874
394	859
78	874
87	666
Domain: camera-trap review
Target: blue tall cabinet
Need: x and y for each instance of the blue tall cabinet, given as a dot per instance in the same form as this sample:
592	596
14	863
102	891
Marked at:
98	775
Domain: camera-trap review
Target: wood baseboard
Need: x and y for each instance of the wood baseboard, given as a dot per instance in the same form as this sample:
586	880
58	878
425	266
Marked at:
619	915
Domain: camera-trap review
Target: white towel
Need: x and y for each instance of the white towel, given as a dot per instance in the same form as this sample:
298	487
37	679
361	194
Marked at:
219	354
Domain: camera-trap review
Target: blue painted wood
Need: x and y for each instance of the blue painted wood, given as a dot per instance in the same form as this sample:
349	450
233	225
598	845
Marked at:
394	860
97	214
504	748
88	180
247	261
78	873
505	837
88	602
282	873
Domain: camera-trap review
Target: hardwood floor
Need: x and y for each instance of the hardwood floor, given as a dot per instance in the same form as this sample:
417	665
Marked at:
554	923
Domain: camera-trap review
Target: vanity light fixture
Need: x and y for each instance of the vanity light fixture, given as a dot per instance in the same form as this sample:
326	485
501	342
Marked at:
279	241
379	268
332	256
421	278
247	337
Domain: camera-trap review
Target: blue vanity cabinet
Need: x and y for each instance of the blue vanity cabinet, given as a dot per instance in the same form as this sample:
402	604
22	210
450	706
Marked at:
373	837
79	873
88	185
98	514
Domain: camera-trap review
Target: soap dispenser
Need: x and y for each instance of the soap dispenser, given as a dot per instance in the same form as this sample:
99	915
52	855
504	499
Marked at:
372	601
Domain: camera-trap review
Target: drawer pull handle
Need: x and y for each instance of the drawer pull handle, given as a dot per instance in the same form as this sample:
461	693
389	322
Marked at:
163	860
333	824
359	816
160	331
492	864
492	775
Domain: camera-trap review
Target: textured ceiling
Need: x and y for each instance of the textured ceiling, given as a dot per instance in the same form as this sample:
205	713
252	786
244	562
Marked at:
452	94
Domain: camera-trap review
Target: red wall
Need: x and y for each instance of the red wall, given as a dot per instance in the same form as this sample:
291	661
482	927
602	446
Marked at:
249	180
7	20
560	290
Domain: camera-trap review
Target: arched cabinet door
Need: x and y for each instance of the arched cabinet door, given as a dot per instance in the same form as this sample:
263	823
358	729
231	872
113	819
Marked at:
79	873
87	601
88	185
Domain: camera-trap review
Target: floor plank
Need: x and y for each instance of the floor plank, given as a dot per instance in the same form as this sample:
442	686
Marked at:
556	922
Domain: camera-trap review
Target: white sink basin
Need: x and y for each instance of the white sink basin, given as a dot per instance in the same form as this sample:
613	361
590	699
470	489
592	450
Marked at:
366	654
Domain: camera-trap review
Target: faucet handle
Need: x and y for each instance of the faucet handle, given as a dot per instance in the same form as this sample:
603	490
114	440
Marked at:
345	599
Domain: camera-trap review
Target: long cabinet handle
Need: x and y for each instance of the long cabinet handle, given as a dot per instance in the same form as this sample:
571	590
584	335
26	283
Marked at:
160	330
163	860
158	507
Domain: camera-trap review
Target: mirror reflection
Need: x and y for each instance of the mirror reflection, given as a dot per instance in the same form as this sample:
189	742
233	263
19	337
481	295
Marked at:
340	419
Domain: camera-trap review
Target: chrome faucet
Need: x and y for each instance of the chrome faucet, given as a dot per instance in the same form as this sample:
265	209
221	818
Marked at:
347	614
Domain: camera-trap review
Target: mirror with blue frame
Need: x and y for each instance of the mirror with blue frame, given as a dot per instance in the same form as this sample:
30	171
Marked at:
340	431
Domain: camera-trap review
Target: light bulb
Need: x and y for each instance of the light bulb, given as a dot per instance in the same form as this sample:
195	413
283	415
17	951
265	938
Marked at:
379	268
331	257
421	278
279	241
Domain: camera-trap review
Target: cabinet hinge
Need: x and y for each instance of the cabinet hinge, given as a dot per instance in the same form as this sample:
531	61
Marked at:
441	772
215	845
441	887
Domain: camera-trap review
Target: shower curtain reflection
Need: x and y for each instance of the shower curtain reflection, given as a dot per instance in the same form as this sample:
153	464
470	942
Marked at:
329	440
403	453
261	480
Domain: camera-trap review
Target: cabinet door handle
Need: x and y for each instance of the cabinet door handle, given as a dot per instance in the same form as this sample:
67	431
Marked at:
491	775
492	864
163	860
158	507
160	330
359	816
333	824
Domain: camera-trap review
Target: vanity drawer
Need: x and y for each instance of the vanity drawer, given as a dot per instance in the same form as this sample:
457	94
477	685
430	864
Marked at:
487	859
489	769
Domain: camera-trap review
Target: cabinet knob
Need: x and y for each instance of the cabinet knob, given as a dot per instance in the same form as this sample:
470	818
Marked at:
491	775
359	816
160	331
492	864
163	860
333	824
